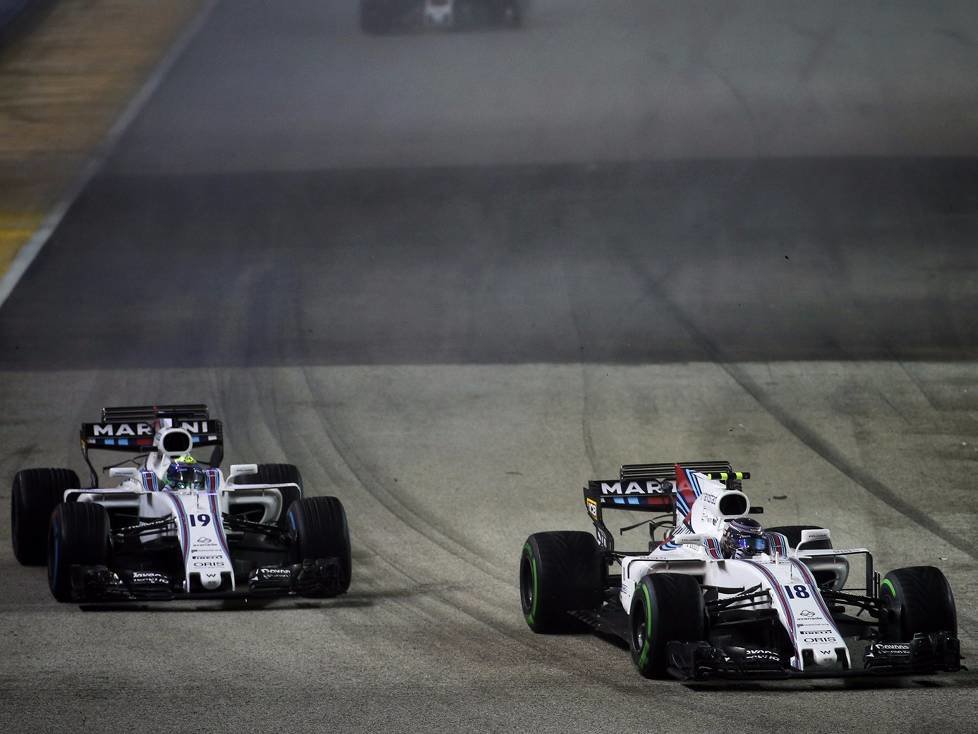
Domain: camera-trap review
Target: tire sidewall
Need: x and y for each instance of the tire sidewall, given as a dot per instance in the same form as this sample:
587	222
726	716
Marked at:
642	616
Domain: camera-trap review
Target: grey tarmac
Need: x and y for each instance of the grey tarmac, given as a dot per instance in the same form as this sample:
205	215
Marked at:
452	277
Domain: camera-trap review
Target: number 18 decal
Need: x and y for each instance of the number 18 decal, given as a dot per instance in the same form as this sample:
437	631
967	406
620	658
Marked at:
798	591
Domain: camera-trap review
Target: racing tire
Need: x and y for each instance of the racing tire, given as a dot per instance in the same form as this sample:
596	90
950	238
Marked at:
79	535
916	599
793	534
34	495
278	474
666	607
560	572
319	530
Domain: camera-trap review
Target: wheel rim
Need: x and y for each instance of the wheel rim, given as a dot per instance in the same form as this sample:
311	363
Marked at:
638	628
642	630
526	584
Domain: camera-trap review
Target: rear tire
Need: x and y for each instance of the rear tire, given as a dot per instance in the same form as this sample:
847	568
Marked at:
560	572
916	599
793	534
79	535
278	474
34	495
320	530
666	607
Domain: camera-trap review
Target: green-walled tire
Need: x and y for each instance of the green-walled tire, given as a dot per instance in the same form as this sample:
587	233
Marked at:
666	607
560	572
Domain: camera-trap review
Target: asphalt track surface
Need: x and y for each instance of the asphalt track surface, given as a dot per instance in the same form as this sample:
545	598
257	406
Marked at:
454	276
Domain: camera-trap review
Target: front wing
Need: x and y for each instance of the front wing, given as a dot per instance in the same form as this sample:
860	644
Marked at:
700	661
926	653
313	578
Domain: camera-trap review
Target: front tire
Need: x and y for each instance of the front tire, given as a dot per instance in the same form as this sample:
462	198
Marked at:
666	607
79	536
320	531
34	495
916	599
560	572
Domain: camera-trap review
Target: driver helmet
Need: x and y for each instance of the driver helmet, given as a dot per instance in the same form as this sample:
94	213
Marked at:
184	473
743	537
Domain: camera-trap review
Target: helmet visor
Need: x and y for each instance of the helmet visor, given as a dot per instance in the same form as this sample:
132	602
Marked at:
752	543
189	478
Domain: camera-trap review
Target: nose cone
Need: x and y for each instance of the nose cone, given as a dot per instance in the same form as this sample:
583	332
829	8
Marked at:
210	581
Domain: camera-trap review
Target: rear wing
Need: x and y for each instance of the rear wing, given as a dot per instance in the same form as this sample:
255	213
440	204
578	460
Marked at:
132	429
648	488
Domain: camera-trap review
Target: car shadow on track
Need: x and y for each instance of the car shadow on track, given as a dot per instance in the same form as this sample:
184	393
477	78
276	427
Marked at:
231	605
963	680
356	600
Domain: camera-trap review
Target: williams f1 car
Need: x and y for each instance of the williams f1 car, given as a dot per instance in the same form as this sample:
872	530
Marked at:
175	526
717	596
383	16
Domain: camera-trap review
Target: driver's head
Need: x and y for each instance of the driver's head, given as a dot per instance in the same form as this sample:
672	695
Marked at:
184	473
743	538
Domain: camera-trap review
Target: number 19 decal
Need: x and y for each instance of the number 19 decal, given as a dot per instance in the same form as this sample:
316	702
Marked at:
202	519
798	591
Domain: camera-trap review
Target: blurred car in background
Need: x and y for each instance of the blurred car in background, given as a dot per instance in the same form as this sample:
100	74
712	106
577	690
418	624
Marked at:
384	16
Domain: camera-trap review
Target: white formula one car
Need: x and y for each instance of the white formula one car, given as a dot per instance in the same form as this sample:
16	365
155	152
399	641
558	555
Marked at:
719	597
383	16
175	526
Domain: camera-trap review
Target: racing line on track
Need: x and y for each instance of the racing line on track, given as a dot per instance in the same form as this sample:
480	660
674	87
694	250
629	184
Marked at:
798	428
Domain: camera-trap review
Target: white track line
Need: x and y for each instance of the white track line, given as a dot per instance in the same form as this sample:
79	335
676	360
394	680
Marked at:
25	256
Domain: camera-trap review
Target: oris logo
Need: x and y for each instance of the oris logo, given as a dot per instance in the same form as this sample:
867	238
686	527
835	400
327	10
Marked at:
208	564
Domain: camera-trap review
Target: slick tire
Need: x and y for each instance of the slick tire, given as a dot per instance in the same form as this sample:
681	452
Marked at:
319	530
79	535
34	495
666	607
793	534
560	572
916	599
278	474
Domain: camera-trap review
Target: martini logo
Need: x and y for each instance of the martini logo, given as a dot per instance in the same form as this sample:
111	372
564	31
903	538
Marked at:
115	430
627	488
